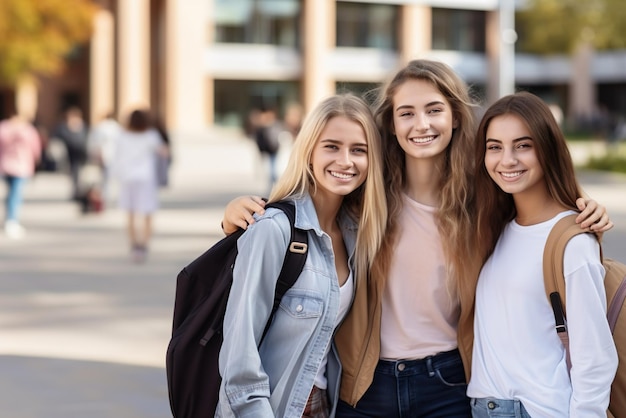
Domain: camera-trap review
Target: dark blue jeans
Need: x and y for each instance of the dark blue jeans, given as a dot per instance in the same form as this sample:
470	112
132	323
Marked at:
431	387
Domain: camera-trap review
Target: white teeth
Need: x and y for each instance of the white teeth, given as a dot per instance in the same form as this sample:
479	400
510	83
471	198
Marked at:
341	175
511	175
423	140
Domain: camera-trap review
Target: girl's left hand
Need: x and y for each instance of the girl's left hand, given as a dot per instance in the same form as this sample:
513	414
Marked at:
593	216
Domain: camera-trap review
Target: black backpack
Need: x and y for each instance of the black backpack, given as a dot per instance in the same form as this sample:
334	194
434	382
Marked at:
202	289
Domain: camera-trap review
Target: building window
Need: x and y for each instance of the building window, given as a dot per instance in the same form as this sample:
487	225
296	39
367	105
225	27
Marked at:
273	22
235	99
459	30
367	91
367	25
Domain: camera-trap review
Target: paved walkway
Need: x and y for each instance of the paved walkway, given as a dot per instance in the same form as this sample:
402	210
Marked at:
84	330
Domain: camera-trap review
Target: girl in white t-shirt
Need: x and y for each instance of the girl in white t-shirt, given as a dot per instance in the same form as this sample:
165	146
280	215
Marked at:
525	182
134	165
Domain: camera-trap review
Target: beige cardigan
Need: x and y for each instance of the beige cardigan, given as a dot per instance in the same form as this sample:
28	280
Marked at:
358	338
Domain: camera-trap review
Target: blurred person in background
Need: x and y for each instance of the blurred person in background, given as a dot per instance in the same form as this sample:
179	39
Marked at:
292	120
134	166
266	135
164	161
101	149
73	132
20	152
47	162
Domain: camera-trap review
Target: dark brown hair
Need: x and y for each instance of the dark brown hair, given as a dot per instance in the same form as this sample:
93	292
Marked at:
495	207
139	121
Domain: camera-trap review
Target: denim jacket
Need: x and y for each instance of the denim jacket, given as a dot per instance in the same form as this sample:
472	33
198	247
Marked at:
275	379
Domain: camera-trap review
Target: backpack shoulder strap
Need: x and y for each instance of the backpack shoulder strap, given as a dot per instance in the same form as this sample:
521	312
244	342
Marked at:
615	285
553	275
295	257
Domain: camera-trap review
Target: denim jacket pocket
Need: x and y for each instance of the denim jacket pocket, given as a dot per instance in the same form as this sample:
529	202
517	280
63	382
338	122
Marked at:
302	306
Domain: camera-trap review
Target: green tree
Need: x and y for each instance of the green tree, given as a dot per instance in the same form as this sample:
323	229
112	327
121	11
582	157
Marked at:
37	35
560	26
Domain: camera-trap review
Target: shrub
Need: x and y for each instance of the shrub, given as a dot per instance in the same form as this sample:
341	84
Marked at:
609	162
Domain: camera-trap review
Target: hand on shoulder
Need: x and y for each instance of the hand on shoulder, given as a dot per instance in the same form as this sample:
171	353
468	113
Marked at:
239	213
593	217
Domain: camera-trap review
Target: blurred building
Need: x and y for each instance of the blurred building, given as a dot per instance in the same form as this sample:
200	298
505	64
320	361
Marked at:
202	62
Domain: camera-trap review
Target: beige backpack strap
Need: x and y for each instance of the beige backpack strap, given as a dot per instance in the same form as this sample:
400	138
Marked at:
561	233
554	277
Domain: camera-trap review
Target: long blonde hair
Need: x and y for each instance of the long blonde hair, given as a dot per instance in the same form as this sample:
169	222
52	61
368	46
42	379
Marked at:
367	203
456	190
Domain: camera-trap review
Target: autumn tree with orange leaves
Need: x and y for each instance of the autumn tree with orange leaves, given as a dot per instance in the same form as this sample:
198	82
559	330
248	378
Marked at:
37	35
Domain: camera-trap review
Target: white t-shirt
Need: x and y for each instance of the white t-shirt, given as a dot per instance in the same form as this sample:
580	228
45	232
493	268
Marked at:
346	293
135	156
102	139
517	354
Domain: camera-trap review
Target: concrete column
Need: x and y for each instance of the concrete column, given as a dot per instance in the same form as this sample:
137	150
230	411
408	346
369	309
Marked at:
187	27
319	40
209	80
415	31
582	97
134	55
500	44
507	37
492	39
102	66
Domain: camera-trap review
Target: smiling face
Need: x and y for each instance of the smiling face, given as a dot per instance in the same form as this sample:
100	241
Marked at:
511	158
422	119
339	159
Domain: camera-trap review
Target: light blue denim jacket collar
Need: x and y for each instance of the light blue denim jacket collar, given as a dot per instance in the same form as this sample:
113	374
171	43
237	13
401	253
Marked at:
306	218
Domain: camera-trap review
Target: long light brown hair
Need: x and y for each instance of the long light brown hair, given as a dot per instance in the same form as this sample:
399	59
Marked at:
456	188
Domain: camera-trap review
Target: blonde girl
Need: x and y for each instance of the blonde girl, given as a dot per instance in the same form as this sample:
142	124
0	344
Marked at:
334	179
